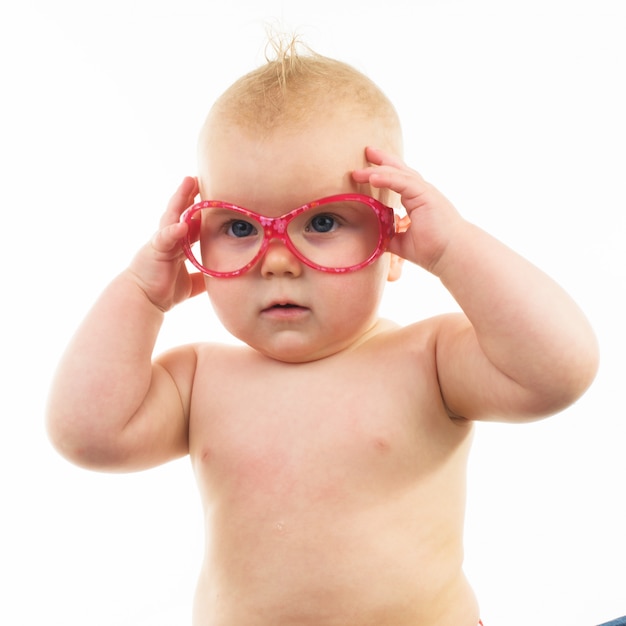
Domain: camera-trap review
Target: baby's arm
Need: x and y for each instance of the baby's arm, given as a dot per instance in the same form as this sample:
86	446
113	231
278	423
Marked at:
523	349
110	407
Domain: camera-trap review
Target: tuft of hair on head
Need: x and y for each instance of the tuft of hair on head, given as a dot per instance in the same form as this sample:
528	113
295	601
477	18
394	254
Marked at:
283	52
294	85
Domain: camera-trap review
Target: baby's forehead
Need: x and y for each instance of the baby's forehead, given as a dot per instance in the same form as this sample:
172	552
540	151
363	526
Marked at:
345	121
297	117
325	137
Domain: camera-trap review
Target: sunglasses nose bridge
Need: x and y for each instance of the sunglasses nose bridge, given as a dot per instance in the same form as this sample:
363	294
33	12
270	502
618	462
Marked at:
275	228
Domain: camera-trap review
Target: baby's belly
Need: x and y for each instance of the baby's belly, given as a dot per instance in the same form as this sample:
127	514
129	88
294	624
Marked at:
361	601
375	566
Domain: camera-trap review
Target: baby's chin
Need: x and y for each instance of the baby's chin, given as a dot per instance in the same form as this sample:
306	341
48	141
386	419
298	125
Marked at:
296	357
294	352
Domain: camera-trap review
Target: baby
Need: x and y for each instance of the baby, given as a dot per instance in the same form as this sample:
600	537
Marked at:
330	447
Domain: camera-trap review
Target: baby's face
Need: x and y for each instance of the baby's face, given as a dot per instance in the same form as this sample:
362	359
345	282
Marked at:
281	307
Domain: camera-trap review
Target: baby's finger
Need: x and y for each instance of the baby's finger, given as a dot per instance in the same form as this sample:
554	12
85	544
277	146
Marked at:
376	156
198	285
384	166
182	198
167	239
406	182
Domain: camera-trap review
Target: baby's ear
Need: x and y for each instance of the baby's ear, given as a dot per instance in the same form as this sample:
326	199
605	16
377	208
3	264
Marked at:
395	267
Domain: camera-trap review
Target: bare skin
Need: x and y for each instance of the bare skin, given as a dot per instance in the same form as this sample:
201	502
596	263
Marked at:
348	510
330	451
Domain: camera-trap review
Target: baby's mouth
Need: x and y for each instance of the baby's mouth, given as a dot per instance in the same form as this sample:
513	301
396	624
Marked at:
286	307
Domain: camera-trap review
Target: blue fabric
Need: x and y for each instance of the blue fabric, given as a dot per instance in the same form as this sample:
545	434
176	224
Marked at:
620	621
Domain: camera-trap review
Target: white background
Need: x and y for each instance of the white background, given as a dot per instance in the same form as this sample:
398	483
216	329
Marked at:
516	110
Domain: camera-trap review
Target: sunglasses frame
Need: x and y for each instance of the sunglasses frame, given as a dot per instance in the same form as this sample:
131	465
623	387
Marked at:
276	228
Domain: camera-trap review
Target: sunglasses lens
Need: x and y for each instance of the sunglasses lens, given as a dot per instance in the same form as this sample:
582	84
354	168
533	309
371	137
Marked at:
227	240
336	235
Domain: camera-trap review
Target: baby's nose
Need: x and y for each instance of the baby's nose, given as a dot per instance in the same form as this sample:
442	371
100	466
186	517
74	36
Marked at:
279	260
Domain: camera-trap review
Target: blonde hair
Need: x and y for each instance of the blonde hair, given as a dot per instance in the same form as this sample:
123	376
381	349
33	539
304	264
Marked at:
295	85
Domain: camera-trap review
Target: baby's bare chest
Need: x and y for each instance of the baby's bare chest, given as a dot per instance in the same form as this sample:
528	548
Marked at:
315	438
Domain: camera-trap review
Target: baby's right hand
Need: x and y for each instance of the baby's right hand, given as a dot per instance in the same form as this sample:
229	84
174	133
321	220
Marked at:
159	267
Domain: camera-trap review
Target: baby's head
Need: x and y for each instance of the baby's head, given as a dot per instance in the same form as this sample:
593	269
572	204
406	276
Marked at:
283	136
299	92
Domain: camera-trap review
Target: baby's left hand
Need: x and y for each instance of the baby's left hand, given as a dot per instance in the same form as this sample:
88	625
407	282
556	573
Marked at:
432	219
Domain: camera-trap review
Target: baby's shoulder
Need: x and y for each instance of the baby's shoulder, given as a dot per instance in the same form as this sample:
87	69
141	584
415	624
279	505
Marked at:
421	335
228	354
193	358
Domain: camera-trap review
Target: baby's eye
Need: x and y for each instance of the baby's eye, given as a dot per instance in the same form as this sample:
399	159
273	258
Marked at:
240	228
323	223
